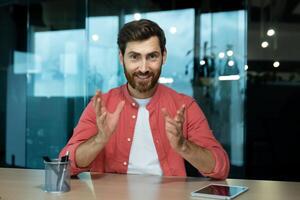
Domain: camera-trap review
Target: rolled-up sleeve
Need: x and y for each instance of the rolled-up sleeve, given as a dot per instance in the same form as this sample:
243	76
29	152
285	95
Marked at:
198	131
84	130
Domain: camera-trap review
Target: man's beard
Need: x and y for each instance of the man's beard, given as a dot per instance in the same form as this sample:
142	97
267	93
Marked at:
142	85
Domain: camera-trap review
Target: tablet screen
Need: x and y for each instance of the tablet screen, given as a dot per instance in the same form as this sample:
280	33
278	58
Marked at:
221	190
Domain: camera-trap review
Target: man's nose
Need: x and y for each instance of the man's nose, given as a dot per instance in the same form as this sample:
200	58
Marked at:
143	66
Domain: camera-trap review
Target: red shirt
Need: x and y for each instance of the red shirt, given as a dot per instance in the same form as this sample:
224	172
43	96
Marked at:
114	157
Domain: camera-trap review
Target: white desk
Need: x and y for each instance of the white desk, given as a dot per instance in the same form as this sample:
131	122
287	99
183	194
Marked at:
25	184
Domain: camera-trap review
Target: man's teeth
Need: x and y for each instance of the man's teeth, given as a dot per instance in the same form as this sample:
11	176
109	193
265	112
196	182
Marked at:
143	77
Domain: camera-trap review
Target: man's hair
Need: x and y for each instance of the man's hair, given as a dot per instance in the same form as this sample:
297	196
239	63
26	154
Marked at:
138	31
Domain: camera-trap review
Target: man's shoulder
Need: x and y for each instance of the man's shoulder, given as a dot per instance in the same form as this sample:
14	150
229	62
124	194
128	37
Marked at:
113	92
168	92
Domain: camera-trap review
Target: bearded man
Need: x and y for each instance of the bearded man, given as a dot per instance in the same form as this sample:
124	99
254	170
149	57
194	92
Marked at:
144	127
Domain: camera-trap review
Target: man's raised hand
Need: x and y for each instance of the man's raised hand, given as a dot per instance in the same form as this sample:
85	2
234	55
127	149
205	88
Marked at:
106	121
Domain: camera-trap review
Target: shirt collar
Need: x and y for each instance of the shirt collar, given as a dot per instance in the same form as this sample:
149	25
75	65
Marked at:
151	104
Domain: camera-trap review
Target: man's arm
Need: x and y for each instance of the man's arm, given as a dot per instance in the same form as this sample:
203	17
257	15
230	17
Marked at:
106	124
199	157
210	160
92	133
87	151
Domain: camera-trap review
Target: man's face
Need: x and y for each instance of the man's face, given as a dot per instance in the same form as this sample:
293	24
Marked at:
142	61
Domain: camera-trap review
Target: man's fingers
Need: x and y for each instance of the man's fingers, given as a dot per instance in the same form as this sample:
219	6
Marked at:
96	100
171	121
182	108
98	93
180	114
102	118
120	107
98	106
178	119
103	109
171	129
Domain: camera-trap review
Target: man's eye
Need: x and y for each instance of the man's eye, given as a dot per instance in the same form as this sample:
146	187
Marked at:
133	57
153	56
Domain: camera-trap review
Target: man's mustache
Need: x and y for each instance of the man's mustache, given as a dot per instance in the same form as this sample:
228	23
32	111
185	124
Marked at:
148	73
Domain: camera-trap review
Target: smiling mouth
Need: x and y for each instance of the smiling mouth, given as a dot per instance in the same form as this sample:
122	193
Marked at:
143	77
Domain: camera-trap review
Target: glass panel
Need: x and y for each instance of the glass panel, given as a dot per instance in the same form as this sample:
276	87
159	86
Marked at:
104	72
273	91
59	68
53	82
222	81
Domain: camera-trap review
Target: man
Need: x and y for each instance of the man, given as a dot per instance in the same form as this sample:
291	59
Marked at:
144	127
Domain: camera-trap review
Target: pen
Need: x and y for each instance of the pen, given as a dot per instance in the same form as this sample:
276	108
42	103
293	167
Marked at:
62	173
65	158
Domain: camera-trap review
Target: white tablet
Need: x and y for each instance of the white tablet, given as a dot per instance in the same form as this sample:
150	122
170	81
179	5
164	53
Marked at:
219	191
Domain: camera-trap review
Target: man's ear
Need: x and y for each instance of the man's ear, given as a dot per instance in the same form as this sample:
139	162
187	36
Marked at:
121	58
164	56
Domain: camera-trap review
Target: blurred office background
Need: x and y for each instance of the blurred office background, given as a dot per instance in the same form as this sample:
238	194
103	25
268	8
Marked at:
239	59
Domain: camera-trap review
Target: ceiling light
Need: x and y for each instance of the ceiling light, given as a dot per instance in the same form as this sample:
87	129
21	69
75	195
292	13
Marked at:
230	63
229	78
165	80
276	64
229	53
173	30
264	44
221	55
95	37
271	32
137	16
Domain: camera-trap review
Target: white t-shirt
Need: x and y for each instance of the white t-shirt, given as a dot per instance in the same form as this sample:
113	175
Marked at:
143	157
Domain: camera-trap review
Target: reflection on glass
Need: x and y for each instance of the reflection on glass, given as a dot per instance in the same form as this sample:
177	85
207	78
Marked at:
55	82
223	79
27	63
61	56
103	70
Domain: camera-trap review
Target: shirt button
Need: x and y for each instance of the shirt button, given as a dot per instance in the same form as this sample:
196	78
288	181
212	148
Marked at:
133	116
124	163
128	139
133	104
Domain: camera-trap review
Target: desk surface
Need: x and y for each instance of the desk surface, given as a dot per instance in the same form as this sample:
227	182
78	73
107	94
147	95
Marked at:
16	184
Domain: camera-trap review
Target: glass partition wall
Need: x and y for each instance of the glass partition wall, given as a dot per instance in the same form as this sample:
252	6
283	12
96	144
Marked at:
46	82
70	51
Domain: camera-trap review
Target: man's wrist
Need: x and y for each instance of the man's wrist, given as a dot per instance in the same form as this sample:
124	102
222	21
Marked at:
99	139
184	146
